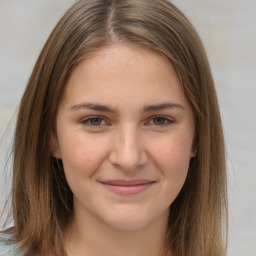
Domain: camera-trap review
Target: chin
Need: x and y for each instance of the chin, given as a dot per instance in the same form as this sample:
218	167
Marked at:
125	224
130	220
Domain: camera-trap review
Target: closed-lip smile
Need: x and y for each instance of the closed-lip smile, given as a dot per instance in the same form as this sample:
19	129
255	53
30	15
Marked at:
127	187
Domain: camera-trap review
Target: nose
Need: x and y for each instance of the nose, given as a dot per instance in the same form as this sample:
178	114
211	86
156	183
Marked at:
128	151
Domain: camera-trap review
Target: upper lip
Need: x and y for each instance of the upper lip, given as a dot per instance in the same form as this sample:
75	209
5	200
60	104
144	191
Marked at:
127	182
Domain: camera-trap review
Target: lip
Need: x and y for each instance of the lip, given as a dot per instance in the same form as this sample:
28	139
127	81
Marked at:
127	187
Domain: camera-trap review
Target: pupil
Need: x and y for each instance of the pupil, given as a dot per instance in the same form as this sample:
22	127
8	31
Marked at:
96	121
158	121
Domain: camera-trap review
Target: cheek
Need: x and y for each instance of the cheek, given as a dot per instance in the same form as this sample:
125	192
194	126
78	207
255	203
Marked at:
82	155
172	156
81	158
174	150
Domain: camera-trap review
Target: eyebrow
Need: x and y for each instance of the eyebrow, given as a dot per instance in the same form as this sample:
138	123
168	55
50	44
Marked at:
104	108
163	107
97	107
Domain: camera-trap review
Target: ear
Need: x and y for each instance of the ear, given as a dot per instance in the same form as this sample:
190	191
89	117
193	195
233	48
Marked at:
54	146
193	152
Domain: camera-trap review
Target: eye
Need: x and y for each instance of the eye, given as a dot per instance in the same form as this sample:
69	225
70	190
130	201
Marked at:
94	121
160	121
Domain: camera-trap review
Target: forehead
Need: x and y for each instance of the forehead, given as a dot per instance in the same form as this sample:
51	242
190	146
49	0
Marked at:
123	73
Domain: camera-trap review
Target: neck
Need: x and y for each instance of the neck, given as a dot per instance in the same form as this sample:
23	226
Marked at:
93	238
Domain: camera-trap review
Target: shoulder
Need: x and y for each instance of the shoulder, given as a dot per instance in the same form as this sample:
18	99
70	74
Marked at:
7	247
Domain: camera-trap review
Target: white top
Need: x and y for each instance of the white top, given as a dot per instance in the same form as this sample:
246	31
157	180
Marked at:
7	247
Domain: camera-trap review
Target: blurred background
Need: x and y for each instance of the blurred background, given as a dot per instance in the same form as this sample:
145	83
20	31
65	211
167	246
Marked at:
228	30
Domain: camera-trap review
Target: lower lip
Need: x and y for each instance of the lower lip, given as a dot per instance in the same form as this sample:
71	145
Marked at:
128	190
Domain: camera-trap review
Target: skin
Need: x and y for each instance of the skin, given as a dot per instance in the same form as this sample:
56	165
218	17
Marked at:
127	141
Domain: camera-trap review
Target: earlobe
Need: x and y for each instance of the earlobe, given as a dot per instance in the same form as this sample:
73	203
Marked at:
54	146
194	153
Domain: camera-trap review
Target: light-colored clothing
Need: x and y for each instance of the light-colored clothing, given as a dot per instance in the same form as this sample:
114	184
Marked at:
7	247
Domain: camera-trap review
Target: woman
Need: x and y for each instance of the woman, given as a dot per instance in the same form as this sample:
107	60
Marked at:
119	146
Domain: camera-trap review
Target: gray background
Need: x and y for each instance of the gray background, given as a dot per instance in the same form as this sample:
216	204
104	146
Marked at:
228	30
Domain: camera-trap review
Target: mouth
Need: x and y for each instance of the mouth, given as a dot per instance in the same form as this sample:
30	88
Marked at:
127	187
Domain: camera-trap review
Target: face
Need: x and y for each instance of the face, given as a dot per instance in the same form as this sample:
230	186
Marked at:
125	135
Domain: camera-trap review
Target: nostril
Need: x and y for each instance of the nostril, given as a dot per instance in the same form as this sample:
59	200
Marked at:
127	149
128	162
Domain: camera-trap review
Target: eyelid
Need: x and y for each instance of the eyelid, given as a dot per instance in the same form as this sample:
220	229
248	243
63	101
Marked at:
168	119
85	121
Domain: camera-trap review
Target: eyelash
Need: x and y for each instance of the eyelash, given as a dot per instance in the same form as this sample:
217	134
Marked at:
87	121
167	121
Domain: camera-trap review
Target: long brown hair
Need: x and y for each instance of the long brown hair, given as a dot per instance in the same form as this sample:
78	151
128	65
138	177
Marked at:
42	203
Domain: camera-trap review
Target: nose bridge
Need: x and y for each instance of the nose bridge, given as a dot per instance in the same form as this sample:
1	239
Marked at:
128	152
129	143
